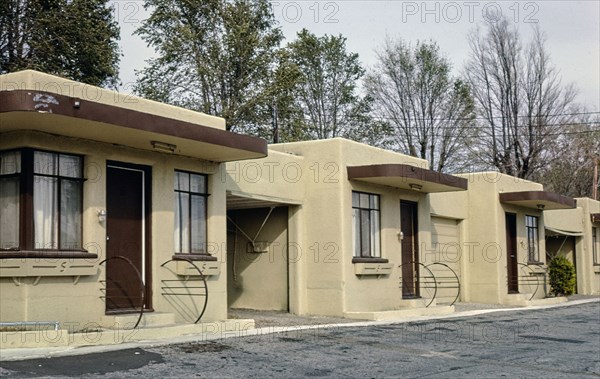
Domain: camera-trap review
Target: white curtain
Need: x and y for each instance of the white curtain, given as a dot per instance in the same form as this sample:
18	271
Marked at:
182	217
45	201
198	224
10	163
70	215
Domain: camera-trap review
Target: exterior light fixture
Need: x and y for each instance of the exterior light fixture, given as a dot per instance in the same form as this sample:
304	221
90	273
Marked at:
163	146
102	215
541	207
415	186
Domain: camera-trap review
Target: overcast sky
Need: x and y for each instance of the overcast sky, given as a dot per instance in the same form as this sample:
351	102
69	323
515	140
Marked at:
572	29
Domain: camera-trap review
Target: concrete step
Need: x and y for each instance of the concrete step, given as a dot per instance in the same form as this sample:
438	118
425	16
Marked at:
417	303
402	313
517	299
127	321
522	300
548	301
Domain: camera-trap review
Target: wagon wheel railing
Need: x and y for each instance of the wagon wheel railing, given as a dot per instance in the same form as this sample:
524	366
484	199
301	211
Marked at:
424	282
140	279
531	278
448	282
183	290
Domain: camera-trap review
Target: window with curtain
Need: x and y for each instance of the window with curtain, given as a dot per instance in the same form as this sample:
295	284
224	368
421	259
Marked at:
51	185
365	225
533	249
10	178
190	212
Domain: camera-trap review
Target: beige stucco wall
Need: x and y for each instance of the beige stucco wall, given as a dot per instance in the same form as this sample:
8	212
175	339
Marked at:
61	298
588	273
331	285
484	248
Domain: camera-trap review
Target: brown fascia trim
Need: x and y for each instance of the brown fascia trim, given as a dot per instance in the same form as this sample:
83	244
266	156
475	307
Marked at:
23	101
595	217
406	171
47	254
538	196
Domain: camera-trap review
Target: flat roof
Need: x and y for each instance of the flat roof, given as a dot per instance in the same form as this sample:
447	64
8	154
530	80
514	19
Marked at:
542	200
49	112
409	177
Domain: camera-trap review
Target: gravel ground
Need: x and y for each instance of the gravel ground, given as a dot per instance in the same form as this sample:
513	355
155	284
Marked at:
264	319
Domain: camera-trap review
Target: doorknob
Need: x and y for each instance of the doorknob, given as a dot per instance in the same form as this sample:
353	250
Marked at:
107	238
400	236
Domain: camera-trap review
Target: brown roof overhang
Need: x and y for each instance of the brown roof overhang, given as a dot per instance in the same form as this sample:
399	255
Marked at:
407	177
542	200
79	118
595	217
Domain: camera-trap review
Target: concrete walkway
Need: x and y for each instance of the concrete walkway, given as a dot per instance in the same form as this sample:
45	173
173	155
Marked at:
273	322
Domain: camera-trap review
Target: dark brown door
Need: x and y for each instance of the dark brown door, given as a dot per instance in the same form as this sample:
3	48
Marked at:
410	252
511	253
125	198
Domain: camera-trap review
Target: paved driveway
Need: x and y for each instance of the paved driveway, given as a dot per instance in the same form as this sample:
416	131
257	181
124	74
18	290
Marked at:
548	343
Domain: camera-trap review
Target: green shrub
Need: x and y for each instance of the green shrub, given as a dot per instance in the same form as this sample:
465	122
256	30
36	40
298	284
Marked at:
562	276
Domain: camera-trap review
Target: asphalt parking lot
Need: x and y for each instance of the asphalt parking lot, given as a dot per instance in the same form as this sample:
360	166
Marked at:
546	343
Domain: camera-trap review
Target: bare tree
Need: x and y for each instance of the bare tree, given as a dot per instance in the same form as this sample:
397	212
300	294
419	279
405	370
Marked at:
430	111
520	100
576	148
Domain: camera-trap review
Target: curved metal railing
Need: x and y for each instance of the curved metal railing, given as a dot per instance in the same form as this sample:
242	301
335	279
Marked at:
141	280
447	282
419	281
531	278
184	290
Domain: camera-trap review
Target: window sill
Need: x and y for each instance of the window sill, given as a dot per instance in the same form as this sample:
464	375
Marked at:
195	257
208	268
45	265
369	260
535	263
47	254
373	268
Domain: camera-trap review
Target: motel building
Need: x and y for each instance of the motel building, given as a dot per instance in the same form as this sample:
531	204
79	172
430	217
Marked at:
123	218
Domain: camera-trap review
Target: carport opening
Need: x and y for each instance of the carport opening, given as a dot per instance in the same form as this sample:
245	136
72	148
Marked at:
562	243
257	256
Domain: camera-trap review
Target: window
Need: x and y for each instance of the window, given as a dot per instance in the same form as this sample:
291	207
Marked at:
533	249
10	172
595	248
365	227
40	200
190	212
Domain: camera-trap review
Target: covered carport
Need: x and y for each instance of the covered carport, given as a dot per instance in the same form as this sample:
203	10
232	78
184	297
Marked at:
258	251
563	232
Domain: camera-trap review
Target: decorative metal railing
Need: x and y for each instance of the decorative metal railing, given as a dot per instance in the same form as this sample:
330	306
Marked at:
181	286
447	280
429	285
117	285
